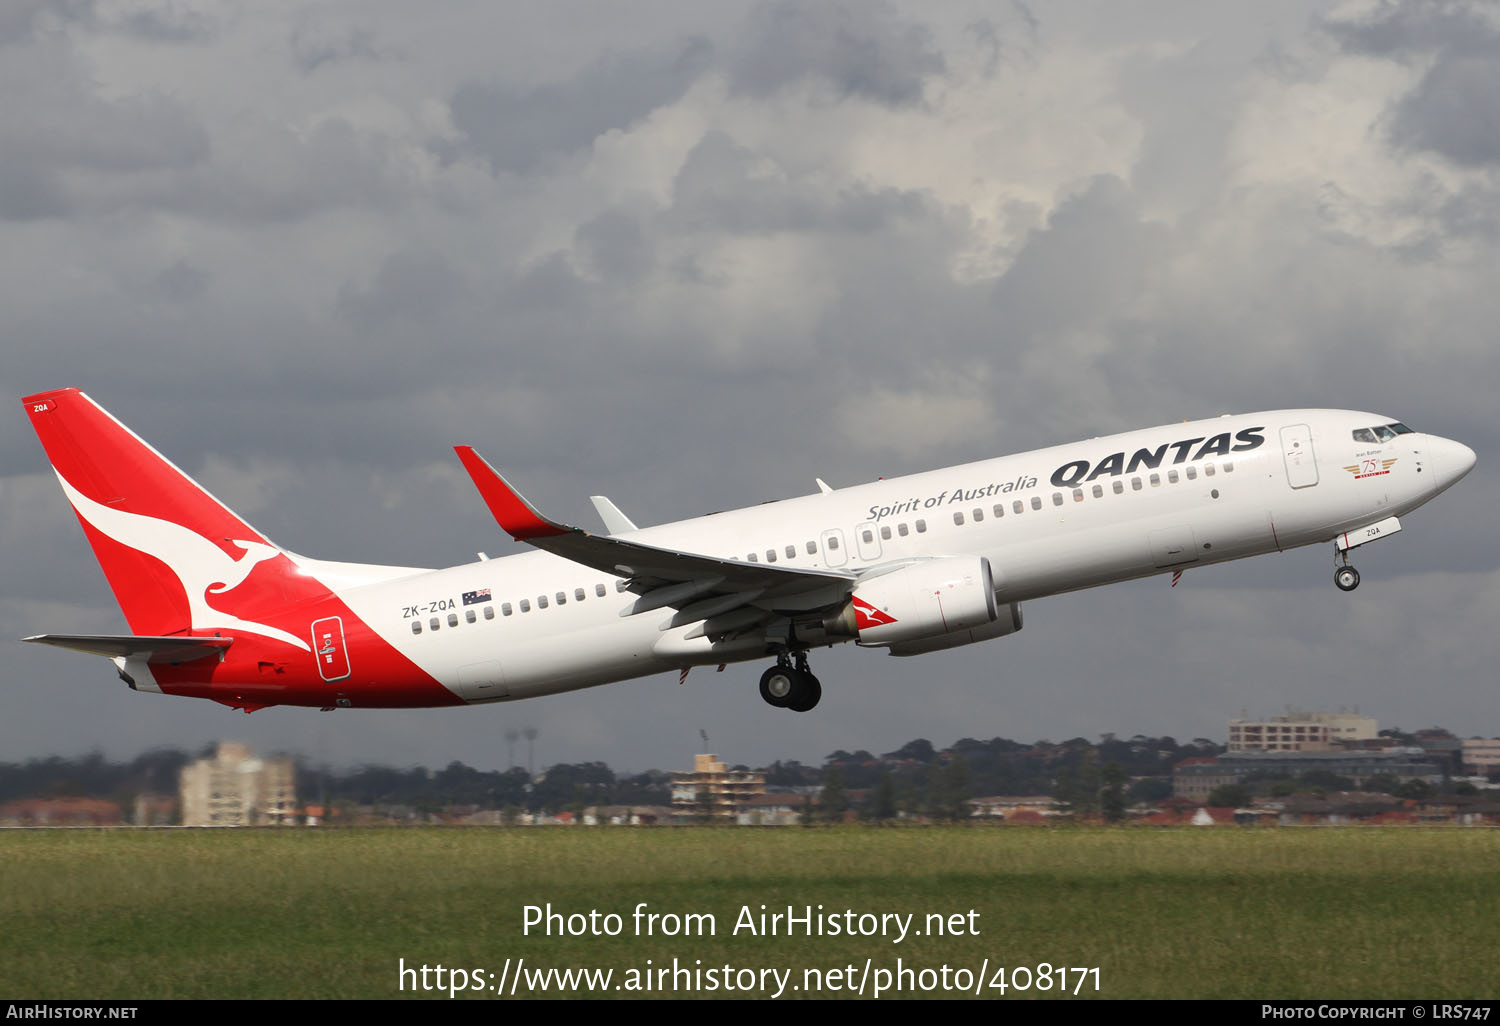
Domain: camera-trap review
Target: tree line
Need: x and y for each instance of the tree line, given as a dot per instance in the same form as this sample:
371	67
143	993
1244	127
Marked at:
915	778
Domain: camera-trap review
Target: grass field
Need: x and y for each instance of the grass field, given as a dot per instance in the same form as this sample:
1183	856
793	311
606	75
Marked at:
1172	913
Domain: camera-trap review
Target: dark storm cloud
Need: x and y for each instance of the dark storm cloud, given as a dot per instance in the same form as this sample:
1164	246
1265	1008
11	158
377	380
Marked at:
268	171
162	23
166	23
29	188
181	282
614	246
313	47
723	186
1407	29
65	124
66	138
410	286
863	50
1099	245
519	129
24	19
1455	109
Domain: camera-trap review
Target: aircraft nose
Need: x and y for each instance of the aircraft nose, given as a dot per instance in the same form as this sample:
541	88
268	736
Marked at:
1450	460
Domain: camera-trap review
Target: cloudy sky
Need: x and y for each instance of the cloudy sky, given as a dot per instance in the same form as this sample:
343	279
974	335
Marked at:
693	255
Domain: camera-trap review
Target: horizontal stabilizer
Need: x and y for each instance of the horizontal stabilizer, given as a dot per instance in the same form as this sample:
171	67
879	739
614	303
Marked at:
151	649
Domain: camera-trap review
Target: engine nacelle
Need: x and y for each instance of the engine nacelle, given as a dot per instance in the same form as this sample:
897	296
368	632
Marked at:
922	601
1008	623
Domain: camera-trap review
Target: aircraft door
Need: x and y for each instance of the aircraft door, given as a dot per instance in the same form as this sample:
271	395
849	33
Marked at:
867	537
328	644
834	553
1173	546
482	682
1297	452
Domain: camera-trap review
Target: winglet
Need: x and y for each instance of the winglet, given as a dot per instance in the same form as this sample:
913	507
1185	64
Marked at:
615	522
517	517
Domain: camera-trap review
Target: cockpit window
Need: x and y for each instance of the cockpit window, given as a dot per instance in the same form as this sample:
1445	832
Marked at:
1381	433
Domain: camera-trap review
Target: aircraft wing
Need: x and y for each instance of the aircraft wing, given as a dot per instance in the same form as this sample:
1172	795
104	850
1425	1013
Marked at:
688	581
169	649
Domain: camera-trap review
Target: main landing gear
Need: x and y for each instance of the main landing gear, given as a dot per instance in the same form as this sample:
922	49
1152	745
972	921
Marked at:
788	686
1344	575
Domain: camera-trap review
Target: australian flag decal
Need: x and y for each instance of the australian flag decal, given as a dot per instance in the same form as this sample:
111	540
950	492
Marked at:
473	598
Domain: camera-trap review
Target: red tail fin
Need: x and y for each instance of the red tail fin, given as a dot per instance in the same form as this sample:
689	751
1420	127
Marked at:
173	553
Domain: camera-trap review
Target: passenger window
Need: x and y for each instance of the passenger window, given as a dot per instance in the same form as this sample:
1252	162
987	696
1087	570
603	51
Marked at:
1135	484
999	510
526	605
1171	477
885	534
452	619
416	626
622	585
958	518
1228	466
978	515
1036	502
599	590
833	543
868	535
791	552
1208	470
469	615
1155	480
921	527
562	598
433	624
1016	506
489	612
812	548
753	558
506	609
1057	498
1192	473
771	554
578	595
1077	494
1098	491
541	601
1118	485
902	529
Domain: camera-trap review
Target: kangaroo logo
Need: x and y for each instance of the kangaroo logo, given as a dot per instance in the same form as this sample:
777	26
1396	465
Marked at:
201	567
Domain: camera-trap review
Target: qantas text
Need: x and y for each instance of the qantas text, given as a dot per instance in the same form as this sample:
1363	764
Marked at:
1078	471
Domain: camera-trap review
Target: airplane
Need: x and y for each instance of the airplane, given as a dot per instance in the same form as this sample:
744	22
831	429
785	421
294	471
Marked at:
912	564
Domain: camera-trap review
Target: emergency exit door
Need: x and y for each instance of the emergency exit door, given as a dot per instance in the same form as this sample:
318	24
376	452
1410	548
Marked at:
1297	453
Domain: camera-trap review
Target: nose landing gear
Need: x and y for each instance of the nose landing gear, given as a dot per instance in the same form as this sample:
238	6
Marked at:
1344	575
788	686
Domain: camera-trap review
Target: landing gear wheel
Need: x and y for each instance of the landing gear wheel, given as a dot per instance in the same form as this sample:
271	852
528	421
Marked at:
1346	577
778	685
807	693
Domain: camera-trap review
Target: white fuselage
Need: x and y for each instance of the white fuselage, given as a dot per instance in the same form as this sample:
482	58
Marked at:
1048	521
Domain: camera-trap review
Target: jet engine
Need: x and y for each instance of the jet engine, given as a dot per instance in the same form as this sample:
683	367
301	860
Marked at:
940	603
